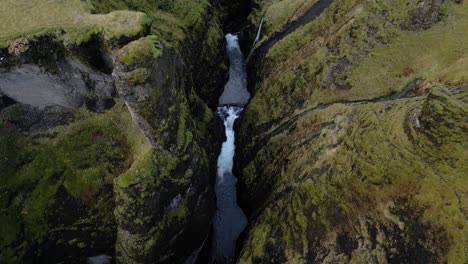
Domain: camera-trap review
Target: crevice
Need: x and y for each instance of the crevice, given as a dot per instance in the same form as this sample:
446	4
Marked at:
92	54
236	13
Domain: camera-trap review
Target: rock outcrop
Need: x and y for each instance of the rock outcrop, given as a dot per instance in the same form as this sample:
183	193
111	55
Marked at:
105	143
165	201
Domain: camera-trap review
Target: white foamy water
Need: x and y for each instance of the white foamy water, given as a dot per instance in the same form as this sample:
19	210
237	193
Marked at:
229	220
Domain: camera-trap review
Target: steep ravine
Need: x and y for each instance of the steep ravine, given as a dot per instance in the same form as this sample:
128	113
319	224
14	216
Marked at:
229	220
347	142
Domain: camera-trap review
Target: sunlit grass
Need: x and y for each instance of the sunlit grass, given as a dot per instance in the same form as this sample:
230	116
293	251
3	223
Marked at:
283	12
379	64
439	54
22	18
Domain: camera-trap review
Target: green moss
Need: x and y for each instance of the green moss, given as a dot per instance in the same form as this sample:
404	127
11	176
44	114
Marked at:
140	51
157	176
280	13
340	165
7	154
138	76
10	230
83	157
184	135
81	245
364	162
155	190
202	115
179	214
444	117
73	241
152	162
190	11
258	241
143	165
214	35
169	27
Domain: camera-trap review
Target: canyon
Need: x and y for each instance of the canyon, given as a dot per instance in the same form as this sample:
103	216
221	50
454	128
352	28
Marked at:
137	131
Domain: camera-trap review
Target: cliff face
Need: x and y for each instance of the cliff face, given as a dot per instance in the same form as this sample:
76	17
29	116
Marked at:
106	138
64	136
353	147
165	201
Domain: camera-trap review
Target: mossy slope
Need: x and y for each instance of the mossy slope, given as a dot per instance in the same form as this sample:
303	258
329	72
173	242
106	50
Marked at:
363	183
49	173
348	151
357	50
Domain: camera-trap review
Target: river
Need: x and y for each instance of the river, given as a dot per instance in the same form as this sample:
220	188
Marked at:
229	220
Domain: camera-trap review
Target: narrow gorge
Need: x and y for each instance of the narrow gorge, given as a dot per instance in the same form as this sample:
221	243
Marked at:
229	220
216	131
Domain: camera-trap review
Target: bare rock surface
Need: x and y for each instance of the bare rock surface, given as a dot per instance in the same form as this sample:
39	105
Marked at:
29	84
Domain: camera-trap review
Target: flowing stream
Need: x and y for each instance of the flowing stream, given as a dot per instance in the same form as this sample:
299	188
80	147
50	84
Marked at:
229	220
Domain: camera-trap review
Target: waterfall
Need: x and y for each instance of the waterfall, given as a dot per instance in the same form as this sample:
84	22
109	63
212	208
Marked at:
229	220
257	37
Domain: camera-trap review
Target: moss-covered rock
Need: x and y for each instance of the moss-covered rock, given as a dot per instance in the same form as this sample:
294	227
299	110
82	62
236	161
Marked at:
58	185
139	52
165	200
172	20
148	159
443	117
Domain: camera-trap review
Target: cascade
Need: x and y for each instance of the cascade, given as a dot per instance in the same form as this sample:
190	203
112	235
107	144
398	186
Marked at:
229	220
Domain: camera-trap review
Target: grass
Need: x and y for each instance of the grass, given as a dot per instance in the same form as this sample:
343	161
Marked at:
26	18
381	63
281	13
173	21
439	54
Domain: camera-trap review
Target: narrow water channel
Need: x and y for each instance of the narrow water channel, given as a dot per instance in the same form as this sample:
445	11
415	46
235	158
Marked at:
229	220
